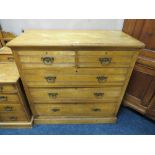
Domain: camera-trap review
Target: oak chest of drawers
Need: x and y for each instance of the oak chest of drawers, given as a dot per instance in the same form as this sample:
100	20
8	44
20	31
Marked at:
75	76
14	110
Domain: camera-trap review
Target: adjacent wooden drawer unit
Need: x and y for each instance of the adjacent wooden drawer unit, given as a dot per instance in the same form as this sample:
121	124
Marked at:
14	109
75	76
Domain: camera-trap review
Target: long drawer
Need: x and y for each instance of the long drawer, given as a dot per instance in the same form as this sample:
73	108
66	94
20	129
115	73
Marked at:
75	77
12	117
95	109
72	95
11	107
12	98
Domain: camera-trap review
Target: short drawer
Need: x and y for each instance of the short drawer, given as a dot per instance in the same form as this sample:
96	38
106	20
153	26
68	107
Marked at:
6	58
75	77
66	95
11	107
104	58
46	59
12	117
96	109
10	88
5	98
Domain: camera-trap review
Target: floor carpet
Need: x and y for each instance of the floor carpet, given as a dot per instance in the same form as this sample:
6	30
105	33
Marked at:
129	123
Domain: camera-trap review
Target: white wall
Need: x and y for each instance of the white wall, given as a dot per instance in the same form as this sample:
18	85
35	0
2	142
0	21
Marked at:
17	25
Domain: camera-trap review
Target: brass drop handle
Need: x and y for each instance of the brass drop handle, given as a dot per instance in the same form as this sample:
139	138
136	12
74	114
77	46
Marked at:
3	98
7	108
13	118
99	94
55	109
11	59
96	109
101	78
105	60
53	95
50	79
47	60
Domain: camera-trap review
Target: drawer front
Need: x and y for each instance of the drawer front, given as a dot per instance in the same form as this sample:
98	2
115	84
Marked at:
106	109
5	98
8	88
11	108
12	117
46	59
6	58
65	95
104	58
75	77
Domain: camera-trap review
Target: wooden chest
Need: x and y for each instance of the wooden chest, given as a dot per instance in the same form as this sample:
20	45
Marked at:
14	111
75	76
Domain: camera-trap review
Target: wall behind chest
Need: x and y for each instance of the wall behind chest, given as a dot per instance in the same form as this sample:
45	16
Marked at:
17	25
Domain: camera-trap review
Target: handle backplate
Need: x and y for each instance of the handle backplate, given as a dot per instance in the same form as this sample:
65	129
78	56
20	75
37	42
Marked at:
105	60
47	60
55	109
99	94
101	79
3	98
50	79
53	95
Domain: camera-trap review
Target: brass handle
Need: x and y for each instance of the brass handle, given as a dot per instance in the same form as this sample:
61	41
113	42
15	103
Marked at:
50	79
55	109
7	108
98	94
1	88
47	60
3	98
101	78
96	109
105	60
13	118
53	95
11	59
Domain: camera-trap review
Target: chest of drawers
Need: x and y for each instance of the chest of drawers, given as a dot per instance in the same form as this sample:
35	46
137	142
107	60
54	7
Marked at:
75	76
14	111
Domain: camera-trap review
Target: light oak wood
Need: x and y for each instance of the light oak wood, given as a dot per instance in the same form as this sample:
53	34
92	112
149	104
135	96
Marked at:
8	73
17	124
82	77
6	55
7	108
74	120
102	110
75	38
8	88
88	95
14	110
65	68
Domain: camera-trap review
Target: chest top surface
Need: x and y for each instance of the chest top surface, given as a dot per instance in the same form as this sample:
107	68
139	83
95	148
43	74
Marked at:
75	38
8	73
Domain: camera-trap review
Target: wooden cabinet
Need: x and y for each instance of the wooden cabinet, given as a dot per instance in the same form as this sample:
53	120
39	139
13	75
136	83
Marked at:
75	76
14	110
141	89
